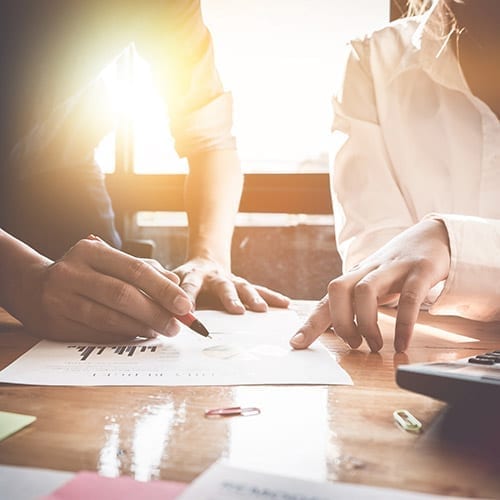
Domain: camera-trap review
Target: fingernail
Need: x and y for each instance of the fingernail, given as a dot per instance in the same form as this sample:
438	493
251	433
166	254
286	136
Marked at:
261	304
399	346
237	303
355	341
298	339
181	305
372	344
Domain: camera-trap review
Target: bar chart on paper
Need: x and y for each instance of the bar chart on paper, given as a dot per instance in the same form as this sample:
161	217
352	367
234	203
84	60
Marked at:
129	350
126	361
244	350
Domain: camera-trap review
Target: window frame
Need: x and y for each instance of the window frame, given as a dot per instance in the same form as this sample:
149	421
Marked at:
130	192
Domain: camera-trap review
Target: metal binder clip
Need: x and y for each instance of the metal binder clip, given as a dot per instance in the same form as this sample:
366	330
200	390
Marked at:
407	421
231	412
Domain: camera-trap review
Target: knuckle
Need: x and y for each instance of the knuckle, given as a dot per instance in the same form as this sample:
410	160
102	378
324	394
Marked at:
239	281
137	267
165	292
403	327
320	319
410	298
423	264
312	325
82	247
191	282
120	295
218	278
363	289
189	287
337	287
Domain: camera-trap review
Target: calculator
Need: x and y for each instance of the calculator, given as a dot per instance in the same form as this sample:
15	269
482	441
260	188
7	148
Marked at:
473	380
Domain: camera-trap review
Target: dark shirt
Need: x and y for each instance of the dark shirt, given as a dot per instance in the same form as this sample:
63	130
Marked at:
51	49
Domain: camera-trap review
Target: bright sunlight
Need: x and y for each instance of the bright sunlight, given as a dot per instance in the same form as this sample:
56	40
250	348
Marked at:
281	60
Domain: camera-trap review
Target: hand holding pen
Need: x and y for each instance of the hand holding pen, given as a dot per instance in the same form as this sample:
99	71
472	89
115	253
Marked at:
98	294
188	318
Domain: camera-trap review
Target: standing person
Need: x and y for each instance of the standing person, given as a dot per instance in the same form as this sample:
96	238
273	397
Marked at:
416	179
54	111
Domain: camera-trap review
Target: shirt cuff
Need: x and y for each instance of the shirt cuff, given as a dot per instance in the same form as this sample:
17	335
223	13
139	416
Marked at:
472	289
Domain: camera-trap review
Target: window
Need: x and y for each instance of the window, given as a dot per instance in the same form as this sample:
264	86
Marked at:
281	60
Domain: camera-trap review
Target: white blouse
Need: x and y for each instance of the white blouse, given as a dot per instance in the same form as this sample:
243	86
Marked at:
410	141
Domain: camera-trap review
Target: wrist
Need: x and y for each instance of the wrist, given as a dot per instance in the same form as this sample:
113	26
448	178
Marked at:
440	230
218	260
22	272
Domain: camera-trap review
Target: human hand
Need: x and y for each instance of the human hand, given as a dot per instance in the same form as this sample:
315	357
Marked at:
235	293
96	293
408	266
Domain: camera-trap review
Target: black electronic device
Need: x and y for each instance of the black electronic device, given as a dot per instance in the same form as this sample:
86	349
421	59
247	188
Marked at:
469	381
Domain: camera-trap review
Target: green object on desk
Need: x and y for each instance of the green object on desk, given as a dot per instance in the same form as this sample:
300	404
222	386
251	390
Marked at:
407	421
13	422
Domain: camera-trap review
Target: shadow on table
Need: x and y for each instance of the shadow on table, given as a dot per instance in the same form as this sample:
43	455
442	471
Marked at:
469	429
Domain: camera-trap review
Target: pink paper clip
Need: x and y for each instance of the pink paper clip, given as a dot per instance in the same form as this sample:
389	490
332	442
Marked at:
231	412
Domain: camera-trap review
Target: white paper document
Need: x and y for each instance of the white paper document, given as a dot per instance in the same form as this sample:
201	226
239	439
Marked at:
223	482
27	483
249	349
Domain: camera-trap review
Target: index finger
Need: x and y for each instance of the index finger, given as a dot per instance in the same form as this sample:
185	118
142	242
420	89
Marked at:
191	282
107	260
413	293
316	324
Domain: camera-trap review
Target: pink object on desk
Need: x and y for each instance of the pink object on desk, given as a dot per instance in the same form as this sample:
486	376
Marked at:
87	485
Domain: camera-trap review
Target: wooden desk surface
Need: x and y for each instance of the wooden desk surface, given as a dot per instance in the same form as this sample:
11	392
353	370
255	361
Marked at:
336	433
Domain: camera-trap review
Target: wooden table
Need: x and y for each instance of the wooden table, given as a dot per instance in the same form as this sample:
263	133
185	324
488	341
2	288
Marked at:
335	433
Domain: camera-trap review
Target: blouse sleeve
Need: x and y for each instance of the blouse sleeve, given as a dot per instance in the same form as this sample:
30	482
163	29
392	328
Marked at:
472	289
369	208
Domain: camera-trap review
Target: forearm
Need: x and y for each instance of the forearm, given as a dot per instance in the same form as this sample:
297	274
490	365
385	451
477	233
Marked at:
213	192
18	264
